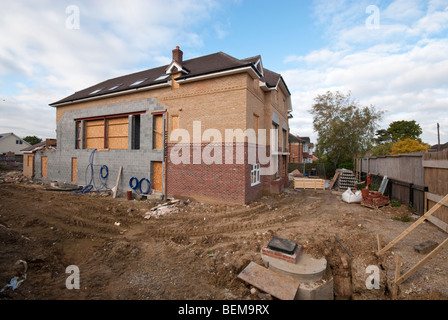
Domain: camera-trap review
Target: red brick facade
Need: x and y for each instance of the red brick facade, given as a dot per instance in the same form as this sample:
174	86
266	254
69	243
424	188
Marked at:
219	182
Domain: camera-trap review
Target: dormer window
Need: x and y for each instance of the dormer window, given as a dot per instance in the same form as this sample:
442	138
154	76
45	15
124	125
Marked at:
138	82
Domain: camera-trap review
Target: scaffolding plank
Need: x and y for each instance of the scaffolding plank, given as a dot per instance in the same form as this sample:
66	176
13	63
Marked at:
278	286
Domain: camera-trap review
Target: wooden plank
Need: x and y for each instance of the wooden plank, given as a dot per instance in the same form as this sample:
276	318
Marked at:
438	223
306	183
333	181
74	169
414	225
435	198
379	241
397	275
157	175
422	262
158	132
44	167
442	164
115	189
280	287
117	133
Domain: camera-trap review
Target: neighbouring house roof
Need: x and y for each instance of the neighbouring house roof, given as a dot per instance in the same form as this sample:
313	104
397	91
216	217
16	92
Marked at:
436	147
293	139
38	146
5	135
306	139
197	67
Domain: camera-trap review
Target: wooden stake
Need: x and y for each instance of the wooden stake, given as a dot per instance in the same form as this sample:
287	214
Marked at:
414	225
118	180
397	275
378	238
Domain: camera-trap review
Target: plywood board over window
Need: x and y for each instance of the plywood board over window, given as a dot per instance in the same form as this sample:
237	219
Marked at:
74	169
44	167
117	133
157	169
158	132
95	134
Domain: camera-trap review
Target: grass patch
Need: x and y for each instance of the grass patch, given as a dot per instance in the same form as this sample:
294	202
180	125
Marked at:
395	203
404	218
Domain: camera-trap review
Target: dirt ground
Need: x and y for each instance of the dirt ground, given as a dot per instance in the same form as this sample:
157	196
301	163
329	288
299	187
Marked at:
197	250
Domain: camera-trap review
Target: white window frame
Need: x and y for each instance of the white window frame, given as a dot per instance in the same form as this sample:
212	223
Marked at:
255	174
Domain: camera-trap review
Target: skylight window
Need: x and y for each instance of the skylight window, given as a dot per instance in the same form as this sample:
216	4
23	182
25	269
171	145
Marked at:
96	91
138	82
115	87
162	77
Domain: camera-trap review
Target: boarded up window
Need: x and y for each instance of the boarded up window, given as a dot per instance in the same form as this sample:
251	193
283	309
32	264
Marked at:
158	131
74	169
95	134
30	160
157	175
44	167
117	133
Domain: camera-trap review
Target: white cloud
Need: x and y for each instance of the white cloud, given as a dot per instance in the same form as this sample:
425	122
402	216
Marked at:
41	60
400	68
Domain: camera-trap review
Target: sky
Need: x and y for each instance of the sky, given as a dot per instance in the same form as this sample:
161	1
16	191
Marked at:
392	55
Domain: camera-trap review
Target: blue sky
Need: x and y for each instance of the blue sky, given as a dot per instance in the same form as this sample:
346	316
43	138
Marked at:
390	54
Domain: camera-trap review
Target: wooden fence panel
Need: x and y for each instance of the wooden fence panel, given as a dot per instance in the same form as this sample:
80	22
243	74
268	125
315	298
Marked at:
436	178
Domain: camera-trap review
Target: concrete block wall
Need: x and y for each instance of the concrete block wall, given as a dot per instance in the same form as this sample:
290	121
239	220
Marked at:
135	163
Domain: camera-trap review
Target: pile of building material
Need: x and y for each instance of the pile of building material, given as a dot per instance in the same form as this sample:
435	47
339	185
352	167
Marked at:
345	179
290	274
374	199
163	209
309	183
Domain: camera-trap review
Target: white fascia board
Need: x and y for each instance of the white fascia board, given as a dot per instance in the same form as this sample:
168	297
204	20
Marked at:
221	73
261	66
177	65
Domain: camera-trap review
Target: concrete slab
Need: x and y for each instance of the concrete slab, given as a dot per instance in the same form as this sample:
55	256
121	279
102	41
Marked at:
425	247
278	286
307	268
320	290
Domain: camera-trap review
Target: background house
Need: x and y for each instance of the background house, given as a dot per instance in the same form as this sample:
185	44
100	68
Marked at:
29	155
11	143
295	149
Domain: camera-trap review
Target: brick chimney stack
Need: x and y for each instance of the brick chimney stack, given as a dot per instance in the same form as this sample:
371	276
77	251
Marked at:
177	55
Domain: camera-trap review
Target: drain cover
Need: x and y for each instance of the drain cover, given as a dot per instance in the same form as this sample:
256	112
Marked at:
282	245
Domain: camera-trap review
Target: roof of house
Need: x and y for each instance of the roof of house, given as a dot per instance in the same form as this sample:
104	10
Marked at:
40	145
205	65
436	147
293	139
5	135
34	146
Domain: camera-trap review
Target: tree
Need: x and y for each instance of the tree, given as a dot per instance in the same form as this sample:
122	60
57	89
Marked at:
32	139
345	128
399	130
408	145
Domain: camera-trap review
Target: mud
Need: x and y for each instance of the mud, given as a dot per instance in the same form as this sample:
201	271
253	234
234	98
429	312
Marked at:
197	250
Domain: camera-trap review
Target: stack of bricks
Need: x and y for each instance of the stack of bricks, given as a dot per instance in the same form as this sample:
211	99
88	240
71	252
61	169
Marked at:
291	258
283	249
